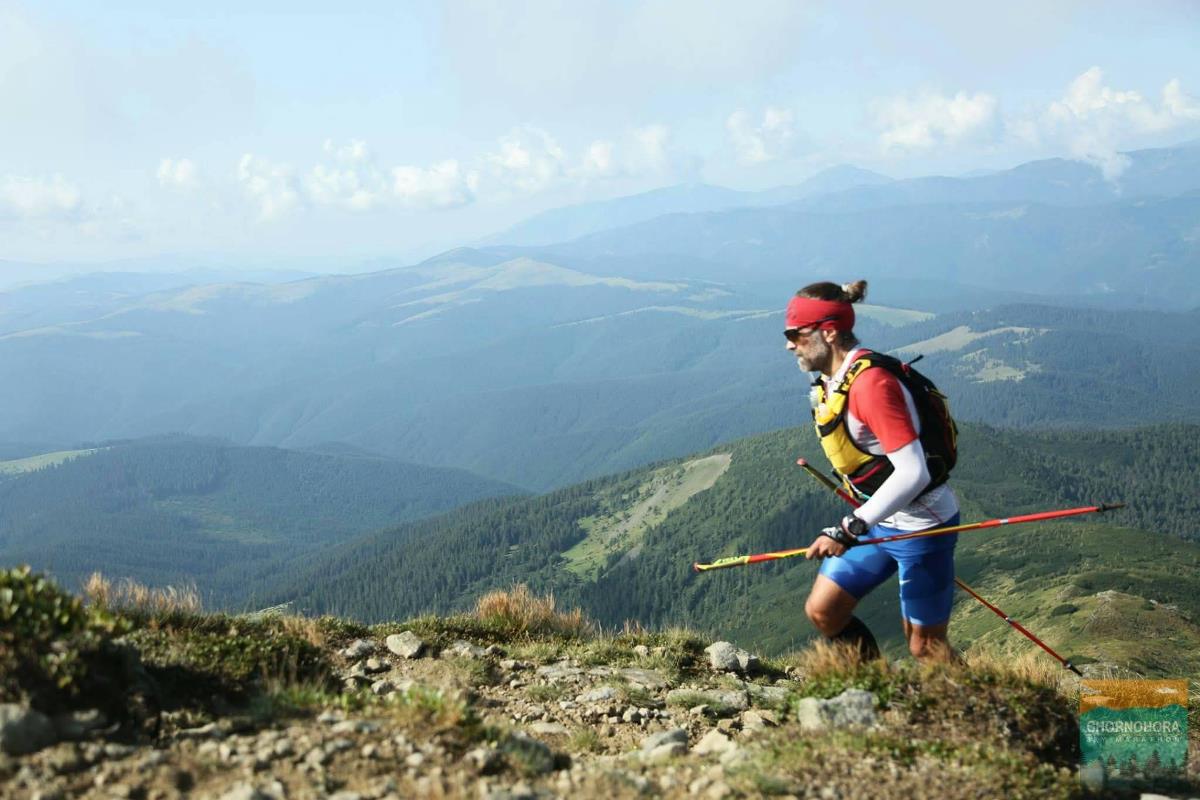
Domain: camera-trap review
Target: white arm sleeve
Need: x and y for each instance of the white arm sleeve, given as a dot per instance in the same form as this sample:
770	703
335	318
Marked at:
911	475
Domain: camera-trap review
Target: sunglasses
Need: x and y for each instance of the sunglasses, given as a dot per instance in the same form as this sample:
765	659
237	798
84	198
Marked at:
796	334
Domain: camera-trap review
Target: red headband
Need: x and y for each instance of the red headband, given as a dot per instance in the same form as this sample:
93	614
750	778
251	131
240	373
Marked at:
830	315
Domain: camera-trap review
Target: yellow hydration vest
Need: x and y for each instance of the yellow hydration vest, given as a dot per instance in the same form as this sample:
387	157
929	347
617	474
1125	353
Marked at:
862	473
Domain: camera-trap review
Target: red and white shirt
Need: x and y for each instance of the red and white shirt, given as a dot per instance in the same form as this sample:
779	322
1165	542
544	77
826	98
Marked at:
882	419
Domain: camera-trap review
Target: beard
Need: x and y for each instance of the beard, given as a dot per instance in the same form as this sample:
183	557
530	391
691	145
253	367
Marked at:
818	358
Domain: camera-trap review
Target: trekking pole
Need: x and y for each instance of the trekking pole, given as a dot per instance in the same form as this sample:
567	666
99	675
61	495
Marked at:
755	558
811	470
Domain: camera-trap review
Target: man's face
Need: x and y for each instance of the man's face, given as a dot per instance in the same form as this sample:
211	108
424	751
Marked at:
812	352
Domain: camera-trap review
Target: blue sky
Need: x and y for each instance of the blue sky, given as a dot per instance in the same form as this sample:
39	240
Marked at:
294	133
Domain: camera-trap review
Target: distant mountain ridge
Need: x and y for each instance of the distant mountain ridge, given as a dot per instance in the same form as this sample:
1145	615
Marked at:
172	509
571	222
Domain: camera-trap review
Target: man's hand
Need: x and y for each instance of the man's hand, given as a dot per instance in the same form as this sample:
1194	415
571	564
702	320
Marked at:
824	546
835	540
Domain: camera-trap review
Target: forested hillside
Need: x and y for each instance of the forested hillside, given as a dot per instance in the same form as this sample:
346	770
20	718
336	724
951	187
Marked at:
175	509
764	502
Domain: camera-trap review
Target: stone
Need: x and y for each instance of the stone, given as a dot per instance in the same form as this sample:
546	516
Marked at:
722	656
405	644
664	752
359	648
757	720
641	651
772	696
353	726
718	701
549	729
463	649
382	687
659	739
24	730
725	657
533	756
851	708
373	665
558	673
597	695
643	678
714	743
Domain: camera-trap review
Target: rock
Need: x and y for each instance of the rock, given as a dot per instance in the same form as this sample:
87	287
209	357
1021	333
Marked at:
757	720
725	657
641	651
718	701
853	707
549	729
353	726
534	757
382	687
330	717
558	673
24	730
643	678
714	742
771	696
359	648
463	649
78	724
405	644
373	665
664	752
598	695
659	739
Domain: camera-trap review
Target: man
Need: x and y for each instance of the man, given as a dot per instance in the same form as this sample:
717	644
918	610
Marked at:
893	444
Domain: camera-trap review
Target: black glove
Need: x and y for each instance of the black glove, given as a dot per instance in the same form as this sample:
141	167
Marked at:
847	531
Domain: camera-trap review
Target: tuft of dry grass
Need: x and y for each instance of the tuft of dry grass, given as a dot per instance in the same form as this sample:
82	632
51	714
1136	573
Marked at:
824	658
1029	666
519	612
129	595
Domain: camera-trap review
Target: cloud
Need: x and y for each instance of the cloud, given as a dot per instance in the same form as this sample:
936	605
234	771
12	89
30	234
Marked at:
352	181
177	173
1092	120
528	160
767	141
31	198
442	185
273	187
930	119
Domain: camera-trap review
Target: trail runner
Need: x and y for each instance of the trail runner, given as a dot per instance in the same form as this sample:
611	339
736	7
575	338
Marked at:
893	443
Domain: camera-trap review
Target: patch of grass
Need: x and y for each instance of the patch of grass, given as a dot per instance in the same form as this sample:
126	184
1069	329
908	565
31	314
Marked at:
831	668
538	652
475	671
545	692
129	595
584	740
518	612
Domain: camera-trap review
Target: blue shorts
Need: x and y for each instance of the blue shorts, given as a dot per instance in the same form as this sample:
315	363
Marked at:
926	568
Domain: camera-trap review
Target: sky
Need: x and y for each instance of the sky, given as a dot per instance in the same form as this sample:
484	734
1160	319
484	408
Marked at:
294	135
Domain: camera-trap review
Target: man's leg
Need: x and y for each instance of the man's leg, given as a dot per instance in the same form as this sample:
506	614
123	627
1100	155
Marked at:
928	642
926	598
836	592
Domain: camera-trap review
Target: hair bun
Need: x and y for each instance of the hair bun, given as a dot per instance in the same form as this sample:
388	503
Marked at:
853	292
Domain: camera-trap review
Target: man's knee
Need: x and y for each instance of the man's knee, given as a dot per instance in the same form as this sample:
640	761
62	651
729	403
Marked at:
823	617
